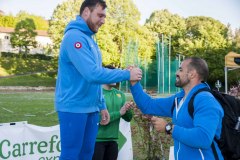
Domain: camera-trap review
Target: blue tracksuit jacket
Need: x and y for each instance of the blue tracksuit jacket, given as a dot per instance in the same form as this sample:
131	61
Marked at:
80	71
192	137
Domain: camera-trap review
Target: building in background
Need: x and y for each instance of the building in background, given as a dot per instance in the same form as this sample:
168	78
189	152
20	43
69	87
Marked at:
43	41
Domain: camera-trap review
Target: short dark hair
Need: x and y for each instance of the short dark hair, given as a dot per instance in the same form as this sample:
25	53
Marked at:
110	67
91	4
200	65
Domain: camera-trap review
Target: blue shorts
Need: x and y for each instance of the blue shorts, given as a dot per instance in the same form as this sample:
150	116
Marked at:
78	132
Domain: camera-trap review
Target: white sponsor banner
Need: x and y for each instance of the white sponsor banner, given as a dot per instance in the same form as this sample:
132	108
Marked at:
23	141
126	152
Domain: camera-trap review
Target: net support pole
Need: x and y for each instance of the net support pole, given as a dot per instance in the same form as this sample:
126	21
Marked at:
169	66
226	79
163	63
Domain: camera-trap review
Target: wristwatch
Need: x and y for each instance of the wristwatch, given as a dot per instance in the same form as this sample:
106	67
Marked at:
168	128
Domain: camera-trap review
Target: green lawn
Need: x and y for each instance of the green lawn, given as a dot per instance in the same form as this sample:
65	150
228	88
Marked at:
35	107
28	80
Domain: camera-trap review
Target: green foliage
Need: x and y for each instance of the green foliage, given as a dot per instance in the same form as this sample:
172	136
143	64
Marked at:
205	33
34	70
3	72
7	21
109	48
121	27
236	41
62	15
31	56
194	36
199	36
40	22
11	21
164	22
207	38
24	35
27	66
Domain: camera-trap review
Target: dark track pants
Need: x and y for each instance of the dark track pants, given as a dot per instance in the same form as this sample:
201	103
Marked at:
106	150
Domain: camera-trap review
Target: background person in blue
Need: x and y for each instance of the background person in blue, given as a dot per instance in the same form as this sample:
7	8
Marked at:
78	94
192	137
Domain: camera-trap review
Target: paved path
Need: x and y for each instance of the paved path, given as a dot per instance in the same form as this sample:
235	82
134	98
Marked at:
26	88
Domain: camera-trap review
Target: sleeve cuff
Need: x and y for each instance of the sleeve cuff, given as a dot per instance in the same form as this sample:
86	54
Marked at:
103	106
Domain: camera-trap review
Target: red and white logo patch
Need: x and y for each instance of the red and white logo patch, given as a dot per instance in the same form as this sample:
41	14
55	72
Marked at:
78	45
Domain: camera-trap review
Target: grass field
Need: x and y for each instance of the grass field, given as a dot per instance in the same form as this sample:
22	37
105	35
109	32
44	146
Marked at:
28	80
35	107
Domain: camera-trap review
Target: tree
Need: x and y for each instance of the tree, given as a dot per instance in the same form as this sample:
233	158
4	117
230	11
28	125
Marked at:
40	22
7	21
164	22
109	48
122	25
234	75
11	21
62	15
24	35
199	36
236	40
207	38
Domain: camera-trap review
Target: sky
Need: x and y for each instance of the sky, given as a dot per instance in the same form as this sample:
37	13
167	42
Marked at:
226	11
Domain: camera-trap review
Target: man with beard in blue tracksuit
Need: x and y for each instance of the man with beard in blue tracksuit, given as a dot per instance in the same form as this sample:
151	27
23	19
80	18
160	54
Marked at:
192	136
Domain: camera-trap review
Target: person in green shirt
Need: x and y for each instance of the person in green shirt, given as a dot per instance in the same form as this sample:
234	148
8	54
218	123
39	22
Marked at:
106	146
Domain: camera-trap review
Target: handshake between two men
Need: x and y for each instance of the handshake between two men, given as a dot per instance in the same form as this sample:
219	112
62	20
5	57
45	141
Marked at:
136	75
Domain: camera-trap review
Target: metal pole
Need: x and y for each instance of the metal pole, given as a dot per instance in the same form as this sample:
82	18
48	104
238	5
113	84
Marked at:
163	63
145	71
136	53
169	66
226	79
179	60
121	59
127	62
158	73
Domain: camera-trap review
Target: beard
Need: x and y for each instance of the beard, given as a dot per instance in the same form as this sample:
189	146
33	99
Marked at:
181	83
178	84
92	26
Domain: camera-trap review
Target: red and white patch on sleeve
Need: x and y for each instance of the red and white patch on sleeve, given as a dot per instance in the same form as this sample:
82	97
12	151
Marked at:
78	45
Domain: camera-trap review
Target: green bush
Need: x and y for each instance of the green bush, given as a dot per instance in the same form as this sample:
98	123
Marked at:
28	71
27	56
24	66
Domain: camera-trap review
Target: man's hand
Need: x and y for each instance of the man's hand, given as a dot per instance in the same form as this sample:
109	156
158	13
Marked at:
159	123
135	74
126	107
105	118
